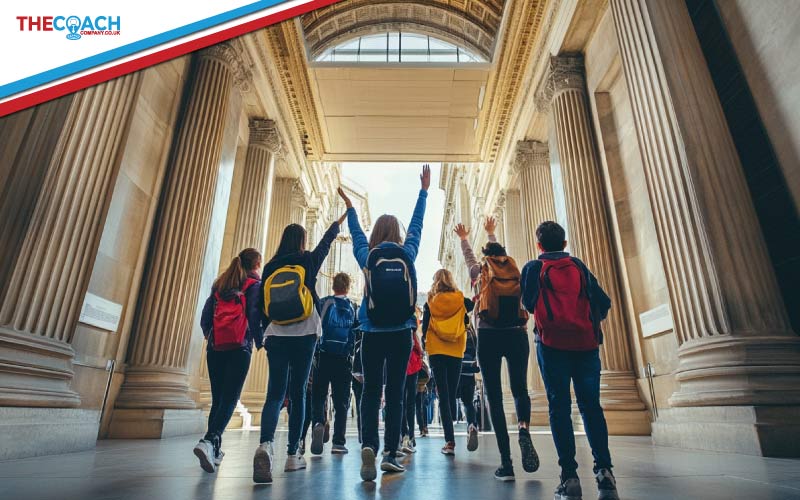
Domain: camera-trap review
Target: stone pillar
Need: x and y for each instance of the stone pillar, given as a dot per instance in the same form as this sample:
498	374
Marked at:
58	230
739	361
299	205
532	165
154	399
280	213
590	239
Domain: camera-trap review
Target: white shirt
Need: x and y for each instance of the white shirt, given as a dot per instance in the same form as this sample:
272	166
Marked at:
309	326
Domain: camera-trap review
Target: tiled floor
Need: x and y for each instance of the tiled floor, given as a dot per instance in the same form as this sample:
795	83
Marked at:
167	469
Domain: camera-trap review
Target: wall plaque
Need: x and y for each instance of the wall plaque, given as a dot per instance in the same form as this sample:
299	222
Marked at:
656	320
99	312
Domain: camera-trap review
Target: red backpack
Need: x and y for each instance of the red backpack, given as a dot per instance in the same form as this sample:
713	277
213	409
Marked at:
230	319
562	312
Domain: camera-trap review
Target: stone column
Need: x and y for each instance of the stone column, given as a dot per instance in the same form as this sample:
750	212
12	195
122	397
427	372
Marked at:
739	361
590	239
56	233
532	165
154	399
299	204
280	213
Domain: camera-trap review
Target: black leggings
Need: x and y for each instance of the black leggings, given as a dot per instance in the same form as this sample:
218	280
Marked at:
410	405
227	371
446	371
493	346
466	391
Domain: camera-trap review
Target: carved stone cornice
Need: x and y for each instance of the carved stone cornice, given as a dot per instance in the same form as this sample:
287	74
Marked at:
231	54
531	154
264	132
567	72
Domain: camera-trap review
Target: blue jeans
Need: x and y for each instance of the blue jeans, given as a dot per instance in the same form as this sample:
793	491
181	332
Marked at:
285	354
582	368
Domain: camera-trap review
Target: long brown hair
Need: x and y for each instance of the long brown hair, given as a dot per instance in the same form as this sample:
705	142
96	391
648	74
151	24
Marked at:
234	276
443	281
386	228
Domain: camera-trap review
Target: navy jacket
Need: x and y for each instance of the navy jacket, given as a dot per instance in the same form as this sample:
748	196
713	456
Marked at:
310	261
255	317
599	302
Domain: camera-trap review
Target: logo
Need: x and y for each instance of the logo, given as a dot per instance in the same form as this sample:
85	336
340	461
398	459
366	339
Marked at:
76	26
73	25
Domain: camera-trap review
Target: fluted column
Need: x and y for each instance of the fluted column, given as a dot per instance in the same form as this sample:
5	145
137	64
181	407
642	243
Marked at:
737	351
532	164
590	238
48	274
280	213
299	204
156	376
251	231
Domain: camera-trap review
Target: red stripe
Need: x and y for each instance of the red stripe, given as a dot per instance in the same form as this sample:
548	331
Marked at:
80	83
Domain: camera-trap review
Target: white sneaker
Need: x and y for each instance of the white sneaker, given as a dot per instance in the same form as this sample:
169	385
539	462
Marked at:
262	463
407	447
204	451
294	462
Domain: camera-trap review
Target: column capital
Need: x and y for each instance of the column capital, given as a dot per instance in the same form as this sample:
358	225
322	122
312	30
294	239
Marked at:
231	56
264	132
531	154
566	72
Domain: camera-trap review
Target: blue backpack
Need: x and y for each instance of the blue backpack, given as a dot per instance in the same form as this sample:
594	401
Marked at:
338	317
391	290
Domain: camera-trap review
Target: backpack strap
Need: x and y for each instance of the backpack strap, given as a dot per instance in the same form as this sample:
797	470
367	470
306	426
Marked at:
544	285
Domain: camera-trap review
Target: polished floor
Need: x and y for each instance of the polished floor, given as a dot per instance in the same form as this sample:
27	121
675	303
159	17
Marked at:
167	469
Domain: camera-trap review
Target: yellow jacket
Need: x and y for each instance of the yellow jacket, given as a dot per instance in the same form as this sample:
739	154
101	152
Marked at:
443	325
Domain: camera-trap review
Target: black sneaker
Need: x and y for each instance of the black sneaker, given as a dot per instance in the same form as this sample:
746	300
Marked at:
505	472
606	485
389	464
530	459
569	489
317	434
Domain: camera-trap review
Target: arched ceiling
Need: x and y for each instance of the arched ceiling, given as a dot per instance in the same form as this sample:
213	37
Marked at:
474	23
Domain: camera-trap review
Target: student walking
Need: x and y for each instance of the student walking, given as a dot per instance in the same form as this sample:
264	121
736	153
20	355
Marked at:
445	317
501	334
387	320
408	444
568	305
466	388
334	365
231	322
290	304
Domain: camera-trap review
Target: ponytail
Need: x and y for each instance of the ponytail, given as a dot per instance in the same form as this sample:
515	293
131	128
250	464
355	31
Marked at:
234	276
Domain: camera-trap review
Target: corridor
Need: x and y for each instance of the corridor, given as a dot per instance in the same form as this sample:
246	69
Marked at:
154	469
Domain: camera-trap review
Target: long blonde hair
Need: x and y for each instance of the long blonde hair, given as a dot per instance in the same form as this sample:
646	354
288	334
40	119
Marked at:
443	281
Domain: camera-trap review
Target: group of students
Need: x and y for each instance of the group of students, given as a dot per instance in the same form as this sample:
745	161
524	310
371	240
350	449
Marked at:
280	311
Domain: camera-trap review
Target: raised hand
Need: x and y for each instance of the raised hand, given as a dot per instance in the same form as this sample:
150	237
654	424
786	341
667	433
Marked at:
425	177
342	218
345	198
461	231
490	225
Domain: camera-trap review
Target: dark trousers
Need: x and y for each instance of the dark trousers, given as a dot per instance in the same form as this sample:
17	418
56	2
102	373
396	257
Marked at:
493	346
582	368
446	372
391	349
306	413
284	354
332	371
410	405
466	391
422	410
226	372
358	389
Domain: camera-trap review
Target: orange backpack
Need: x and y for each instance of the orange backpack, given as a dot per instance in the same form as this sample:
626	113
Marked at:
499	293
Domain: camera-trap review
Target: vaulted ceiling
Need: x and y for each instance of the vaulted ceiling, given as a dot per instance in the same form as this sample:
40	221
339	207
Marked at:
473	23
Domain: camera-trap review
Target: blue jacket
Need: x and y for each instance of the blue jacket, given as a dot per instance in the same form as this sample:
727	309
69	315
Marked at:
255	317
599	301
411	247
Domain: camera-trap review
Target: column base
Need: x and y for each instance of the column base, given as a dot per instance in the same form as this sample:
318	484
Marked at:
155	423
768	431
540	410
31	432
255	417
154	388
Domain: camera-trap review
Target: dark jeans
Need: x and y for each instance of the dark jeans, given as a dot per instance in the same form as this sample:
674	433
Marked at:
466	391
410	405
583	369
283	354
306	413
226	371
333	371
422	410
358	389
493	346
392	349
446	372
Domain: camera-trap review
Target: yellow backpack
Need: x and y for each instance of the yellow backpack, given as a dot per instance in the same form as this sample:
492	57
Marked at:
287	300
447	316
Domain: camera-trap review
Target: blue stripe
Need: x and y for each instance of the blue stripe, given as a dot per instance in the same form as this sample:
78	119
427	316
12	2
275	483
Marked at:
50	75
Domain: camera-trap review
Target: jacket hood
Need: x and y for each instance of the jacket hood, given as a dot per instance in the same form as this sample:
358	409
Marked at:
446	304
